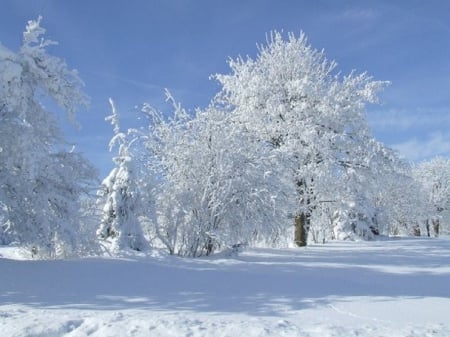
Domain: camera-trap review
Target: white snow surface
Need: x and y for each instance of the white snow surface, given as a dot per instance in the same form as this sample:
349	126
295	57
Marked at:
397	287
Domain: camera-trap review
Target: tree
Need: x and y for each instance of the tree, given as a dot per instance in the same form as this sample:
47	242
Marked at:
403	205
434	179
289	97
120	194
219	185
41	181
372	197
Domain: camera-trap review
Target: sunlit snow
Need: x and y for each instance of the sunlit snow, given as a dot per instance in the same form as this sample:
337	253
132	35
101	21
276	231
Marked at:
397	287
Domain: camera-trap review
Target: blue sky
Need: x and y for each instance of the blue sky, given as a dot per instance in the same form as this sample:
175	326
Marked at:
131	50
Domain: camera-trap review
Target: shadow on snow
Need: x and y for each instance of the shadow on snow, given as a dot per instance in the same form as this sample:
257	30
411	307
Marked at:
258	282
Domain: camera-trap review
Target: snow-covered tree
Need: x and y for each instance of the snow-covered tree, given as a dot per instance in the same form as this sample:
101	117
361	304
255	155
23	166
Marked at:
120	194
290	97
41	177
363	200
220	185
434	178
402	204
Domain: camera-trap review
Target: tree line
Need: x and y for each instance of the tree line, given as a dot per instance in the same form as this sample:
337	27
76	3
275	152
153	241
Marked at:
282	155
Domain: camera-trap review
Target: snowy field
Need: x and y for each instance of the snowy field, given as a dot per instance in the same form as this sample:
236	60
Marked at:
387	288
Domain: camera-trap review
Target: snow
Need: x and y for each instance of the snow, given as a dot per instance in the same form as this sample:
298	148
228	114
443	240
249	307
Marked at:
389	288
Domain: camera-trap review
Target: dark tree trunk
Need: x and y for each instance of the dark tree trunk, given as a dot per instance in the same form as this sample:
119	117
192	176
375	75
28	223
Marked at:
436	227
416	230
302	222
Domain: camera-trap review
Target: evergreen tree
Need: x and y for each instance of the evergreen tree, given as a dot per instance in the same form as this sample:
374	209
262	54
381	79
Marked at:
120	194
41	181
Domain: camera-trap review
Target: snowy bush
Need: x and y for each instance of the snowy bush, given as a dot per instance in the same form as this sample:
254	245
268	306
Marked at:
219	185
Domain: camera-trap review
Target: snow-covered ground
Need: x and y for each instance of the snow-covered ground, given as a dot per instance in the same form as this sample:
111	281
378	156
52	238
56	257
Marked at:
386	288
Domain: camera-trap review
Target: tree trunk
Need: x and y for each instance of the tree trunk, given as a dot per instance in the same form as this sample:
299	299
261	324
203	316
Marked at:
416	230
436	227
301	229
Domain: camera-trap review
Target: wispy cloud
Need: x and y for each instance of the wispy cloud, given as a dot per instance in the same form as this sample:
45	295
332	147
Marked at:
110	76
358	14
402	120
436	144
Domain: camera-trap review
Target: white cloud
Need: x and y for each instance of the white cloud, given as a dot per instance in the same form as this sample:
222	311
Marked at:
437	144
402	120
359	14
